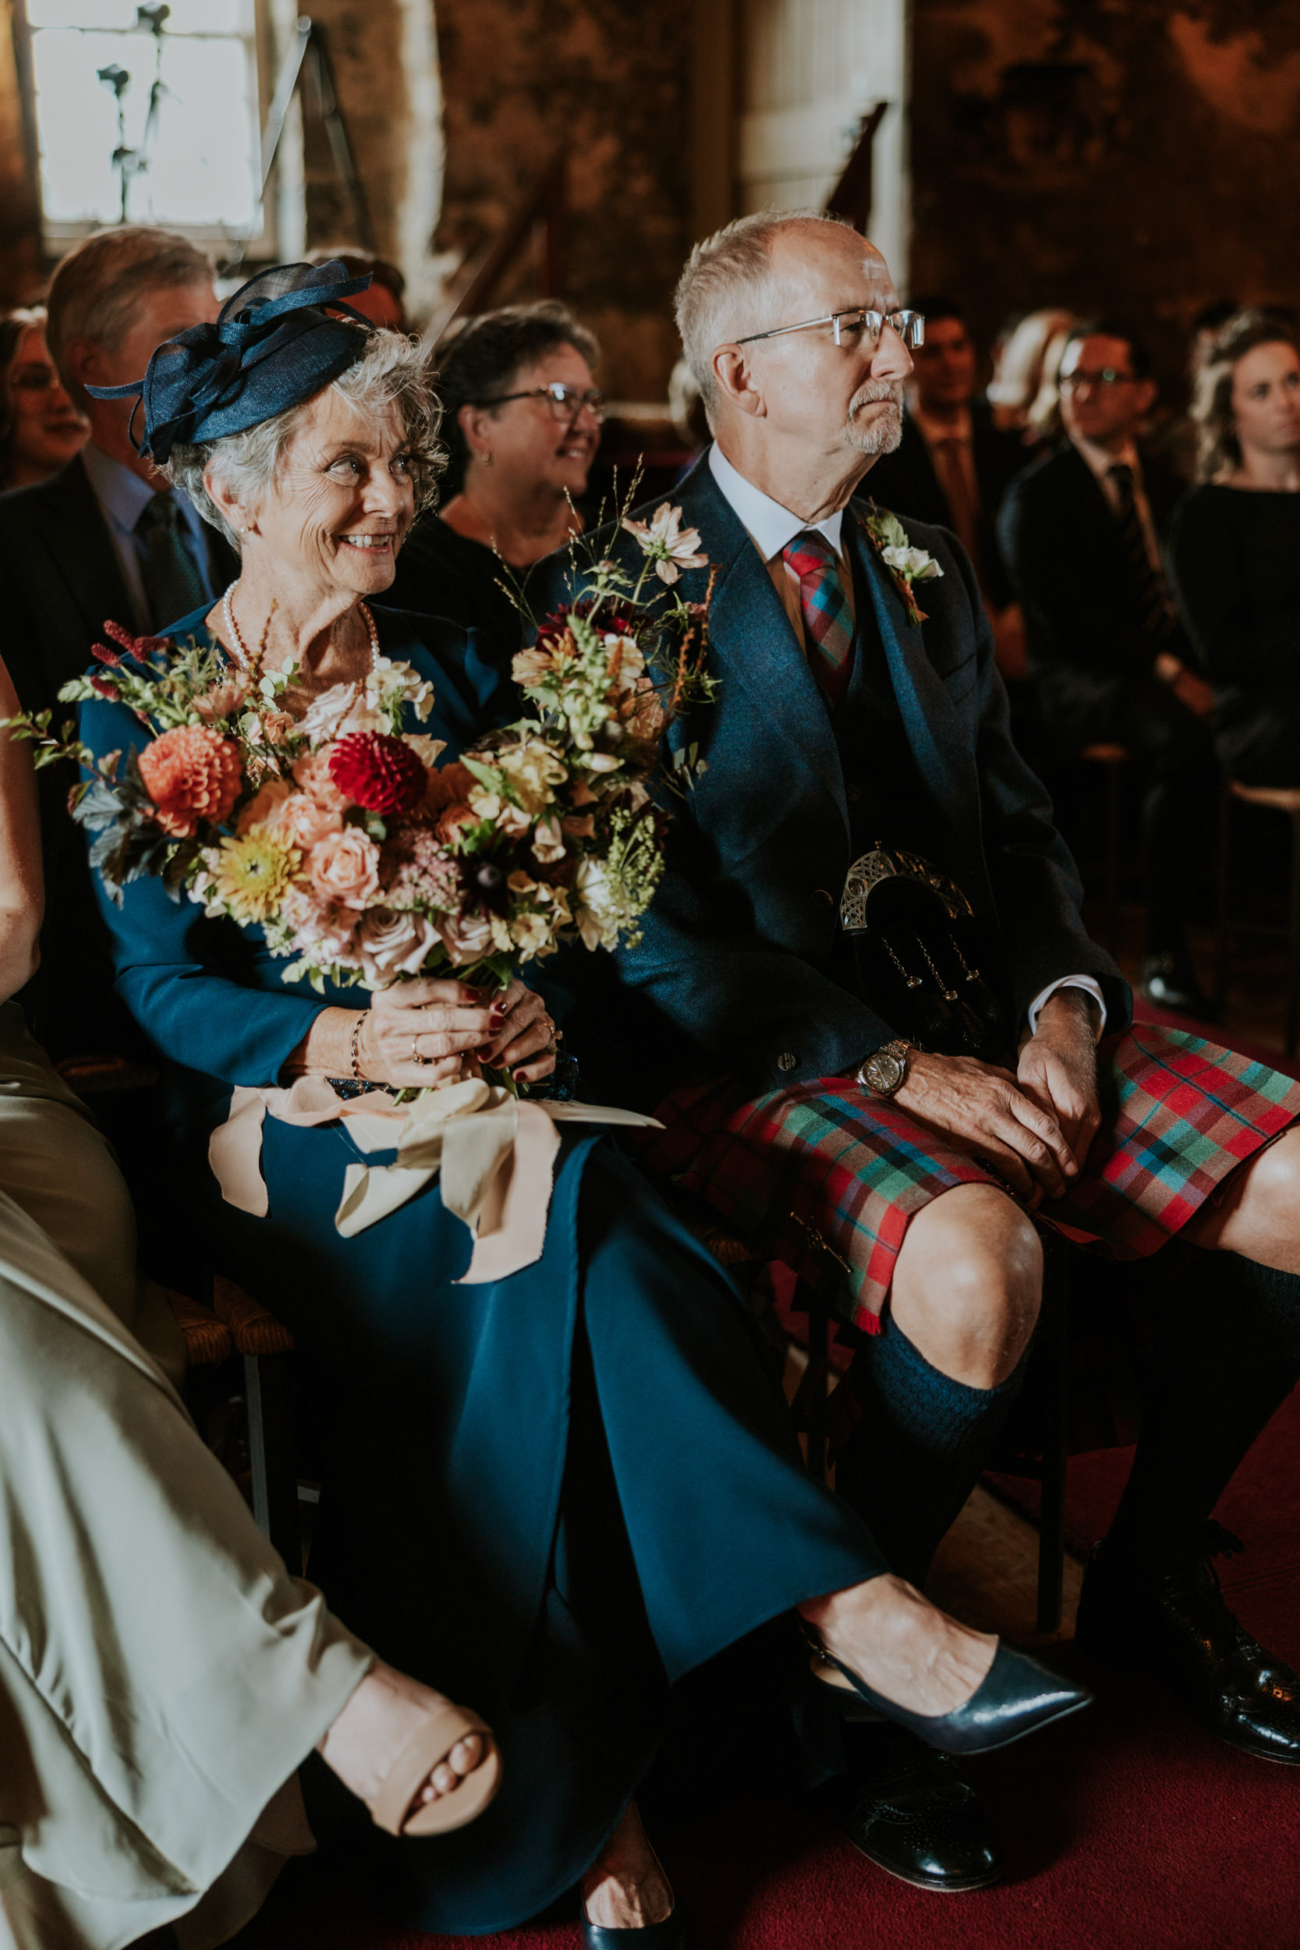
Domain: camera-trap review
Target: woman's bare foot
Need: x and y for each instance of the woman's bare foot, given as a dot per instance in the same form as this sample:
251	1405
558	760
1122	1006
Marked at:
625	1888
903	1646
377	1723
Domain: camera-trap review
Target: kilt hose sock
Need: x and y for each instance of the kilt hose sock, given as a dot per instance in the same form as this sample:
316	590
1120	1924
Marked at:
916	1454
1226	1356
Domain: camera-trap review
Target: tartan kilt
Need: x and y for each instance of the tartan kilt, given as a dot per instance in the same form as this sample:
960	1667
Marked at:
825	1179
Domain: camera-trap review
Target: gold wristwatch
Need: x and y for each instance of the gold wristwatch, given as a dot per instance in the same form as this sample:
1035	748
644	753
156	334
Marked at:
885	1071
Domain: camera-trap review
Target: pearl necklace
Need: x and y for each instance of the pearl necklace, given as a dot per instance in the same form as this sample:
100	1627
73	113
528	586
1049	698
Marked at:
241	648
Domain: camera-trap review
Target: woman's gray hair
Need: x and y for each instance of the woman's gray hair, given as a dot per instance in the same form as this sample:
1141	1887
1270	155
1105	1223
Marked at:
1218	448
721	290
390	372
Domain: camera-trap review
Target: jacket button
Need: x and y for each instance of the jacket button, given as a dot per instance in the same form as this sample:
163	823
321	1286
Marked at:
853	792
786	1060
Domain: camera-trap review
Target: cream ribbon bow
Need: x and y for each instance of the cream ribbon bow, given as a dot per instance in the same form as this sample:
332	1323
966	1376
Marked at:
494	1153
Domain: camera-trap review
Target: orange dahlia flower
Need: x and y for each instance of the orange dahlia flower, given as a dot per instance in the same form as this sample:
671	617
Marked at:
191	775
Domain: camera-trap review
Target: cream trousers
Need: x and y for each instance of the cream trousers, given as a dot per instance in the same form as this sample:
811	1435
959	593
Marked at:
161	1673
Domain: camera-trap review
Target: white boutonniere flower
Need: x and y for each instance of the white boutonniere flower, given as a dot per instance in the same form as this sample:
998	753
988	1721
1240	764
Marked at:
906	564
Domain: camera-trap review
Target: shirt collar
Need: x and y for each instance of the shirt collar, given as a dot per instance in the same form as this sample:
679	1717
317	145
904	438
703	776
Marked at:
123	496
1100	460
771	527
933	431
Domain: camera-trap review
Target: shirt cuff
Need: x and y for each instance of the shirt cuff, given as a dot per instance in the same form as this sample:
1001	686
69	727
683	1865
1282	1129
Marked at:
1084	982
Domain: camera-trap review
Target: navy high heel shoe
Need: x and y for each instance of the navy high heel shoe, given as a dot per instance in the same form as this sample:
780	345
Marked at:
1015	1697
670	1934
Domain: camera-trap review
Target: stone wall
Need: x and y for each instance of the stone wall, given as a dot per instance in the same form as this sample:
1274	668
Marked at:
1139	157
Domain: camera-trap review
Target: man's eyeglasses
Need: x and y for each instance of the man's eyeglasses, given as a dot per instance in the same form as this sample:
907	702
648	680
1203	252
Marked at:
851	327
565	402
1075	381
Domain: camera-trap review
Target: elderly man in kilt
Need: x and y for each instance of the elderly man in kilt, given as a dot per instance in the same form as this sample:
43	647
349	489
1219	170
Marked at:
859	736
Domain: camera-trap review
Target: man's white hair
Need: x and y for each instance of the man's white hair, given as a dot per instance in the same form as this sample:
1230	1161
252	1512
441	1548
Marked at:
721	292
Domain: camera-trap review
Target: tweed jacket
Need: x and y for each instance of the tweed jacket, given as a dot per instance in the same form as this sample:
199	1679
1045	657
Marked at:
739	968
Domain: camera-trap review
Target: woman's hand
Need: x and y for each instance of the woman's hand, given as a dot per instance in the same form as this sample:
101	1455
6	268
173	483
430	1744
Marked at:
417	1032
525	1041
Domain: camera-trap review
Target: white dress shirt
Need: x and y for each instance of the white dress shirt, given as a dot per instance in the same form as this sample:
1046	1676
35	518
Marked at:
123	498
771	528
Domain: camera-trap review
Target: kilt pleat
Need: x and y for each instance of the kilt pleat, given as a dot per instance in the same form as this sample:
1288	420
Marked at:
827	1180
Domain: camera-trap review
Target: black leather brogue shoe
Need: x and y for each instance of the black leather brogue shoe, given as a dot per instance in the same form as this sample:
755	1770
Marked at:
1177	1628
908	1810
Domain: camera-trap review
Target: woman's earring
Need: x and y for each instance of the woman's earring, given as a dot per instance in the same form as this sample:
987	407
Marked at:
486	459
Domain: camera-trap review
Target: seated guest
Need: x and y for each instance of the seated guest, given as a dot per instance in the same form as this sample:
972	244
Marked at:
892	1039
41	429
1081	533
162	1676
522	424
1023	394
561	1491
1234	550
1176	442
104	536
384	301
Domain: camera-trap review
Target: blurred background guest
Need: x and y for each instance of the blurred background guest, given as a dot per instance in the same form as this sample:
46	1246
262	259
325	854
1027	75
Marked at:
40	429
384	304
1081	531
521	419
953	465
1234	550
1175	442
1022	394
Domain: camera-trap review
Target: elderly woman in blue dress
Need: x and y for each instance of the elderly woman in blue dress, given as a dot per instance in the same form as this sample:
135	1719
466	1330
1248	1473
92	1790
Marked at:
556	1493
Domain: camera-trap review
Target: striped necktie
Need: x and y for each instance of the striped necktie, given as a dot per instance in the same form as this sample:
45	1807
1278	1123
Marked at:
1154	604
827	617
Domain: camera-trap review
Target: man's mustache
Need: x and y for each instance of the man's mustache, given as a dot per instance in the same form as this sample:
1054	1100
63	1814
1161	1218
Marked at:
875	392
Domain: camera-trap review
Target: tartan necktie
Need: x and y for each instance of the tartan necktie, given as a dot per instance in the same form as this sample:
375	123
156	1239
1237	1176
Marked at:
173	582
1155	606
827	618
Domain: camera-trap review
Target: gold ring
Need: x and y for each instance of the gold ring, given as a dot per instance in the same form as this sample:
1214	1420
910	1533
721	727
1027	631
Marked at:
415	1049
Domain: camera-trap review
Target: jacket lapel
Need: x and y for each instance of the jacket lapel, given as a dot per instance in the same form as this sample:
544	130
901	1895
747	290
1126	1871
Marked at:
939	748
754	647
77	540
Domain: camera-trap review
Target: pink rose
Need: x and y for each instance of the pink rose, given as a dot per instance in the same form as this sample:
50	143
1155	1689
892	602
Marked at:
344	867
312	772
392	944
304	823
466	937
265	808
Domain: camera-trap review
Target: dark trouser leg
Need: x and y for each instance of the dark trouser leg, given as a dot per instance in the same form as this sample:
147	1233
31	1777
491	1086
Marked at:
915	1456
1227	1355
1177	749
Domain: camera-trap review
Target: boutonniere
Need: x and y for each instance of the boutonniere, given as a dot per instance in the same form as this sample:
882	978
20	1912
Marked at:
906	564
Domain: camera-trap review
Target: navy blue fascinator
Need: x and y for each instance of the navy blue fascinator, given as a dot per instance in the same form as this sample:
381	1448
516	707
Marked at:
272	347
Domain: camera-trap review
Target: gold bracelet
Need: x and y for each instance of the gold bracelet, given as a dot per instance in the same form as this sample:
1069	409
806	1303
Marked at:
357	1028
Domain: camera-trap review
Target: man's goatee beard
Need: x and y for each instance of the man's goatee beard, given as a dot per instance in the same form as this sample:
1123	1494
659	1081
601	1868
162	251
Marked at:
885	432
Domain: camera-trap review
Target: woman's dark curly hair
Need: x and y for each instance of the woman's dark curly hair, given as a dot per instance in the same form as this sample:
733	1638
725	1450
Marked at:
1218	448
482	361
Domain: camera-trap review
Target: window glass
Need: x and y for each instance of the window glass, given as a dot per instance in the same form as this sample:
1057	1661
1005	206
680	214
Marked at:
194	163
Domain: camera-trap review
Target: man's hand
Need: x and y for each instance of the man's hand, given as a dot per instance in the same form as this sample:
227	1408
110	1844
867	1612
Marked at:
1058	1067
985	1112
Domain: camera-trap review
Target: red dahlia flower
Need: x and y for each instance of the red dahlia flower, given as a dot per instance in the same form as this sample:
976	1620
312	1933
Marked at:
379	773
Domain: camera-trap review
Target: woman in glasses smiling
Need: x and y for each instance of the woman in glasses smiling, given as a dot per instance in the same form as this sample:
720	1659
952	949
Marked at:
521	417
40	428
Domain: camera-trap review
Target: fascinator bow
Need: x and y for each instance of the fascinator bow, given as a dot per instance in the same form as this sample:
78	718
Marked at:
273	345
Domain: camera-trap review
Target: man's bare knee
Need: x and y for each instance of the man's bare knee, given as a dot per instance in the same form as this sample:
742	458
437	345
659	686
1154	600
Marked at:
968	1284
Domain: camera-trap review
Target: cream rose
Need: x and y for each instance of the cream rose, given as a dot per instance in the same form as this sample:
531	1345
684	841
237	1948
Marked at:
344	867
392	944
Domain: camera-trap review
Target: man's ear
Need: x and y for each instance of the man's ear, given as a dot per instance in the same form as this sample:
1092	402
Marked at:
736	381
1144	396
82	359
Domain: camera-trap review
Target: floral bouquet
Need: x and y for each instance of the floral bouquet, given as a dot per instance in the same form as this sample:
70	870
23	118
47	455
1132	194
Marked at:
340	835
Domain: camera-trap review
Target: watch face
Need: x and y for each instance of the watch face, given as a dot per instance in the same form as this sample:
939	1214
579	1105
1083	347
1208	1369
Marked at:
884	1073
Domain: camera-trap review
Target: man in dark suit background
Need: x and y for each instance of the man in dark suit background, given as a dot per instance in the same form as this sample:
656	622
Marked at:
858	713
1081	533
952	466
105	537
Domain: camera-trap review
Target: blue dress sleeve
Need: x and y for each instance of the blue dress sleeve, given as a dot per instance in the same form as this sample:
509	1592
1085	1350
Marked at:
167	958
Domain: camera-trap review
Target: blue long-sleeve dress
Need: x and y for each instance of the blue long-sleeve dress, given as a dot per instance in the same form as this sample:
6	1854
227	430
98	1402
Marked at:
552	1496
